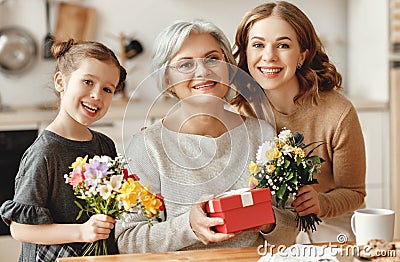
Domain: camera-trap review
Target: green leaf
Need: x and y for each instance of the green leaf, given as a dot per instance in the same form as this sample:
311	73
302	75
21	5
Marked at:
281	191
78	204
315	159
287	163
79	214
289	175
309	153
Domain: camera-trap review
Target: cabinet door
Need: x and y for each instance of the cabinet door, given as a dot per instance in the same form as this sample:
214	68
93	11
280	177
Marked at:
13	144
375	126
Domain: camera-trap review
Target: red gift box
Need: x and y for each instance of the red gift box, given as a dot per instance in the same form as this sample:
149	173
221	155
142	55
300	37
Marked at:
242	209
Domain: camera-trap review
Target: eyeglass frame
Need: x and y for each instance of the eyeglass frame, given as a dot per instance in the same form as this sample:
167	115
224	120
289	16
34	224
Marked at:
195	60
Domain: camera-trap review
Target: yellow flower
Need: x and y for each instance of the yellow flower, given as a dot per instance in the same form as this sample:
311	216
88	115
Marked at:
129	193
253	167
253	182
272	154
298	151
269	155
270	169
277	153
150	201
79	162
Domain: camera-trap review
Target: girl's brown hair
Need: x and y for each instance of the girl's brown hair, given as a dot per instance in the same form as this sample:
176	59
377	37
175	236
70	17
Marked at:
317	72
69	55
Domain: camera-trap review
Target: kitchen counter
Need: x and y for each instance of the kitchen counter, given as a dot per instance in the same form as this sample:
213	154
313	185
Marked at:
35	115
137	109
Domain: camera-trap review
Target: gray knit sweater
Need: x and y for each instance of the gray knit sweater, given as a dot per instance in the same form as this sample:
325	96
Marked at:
186	167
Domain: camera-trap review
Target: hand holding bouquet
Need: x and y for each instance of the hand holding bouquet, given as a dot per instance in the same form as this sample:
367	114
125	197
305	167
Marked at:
107	189
283	166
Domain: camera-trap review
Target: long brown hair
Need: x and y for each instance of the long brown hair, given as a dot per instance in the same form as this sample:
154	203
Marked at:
69	55
317	72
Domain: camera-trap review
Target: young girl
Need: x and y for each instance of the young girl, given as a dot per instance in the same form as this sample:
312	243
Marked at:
42	213
277	44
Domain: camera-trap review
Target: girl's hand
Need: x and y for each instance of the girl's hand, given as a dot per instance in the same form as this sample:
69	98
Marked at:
202	225
306	201
96	228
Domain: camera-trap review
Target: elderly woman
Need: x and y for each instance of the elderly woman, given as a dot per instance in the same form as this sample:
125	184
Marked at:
199	149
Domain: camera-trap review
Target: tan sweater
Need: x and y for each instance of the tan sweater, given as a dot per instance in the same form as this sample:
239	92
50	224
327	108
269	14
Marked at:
342	177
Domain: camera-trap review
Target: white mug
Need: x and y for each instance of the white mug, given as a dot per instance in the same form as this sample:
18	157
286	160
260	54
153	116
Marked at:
372	223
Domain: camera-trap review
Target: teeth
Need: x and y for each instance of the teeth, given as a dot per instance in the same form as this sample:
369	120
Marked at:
270	70
203	86
90	108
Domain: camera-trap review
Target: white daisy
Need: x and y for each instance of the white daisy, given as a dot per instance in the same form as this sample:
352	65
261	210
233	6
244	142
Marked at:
261	156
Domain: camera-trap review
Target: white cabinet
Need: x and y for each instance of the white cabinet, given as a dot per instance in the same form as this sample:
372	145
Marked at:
375	127
367	36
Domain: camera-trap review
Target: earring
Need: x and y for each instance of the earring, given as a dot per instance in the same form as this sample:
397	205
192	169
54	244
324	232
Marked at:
172	93
299	65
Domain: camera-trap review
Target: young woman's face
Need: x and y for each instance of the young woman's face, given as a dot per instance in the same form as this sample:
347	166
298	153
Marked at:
87	93
198	68
273	53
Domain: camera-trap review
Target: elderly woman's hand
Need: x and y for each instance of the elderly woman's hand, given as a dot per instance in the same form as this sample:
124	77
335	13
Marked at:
202	225
306	201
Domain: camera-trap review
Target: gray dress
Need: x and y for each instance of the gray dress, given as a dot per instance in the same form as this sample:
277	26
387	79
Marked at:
41	194
184	168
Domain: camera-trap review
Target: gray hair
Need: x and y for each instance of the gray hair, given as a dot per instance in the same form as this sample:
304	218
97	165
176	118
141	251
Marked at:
171	39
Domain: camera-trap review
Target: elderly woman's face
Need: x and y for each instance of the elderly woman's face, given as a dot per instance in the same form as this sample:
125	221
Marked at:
199	67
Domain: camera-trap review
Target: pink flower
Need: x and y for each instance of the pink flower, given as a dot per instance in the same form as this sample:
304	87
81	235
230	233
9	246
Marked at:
77	176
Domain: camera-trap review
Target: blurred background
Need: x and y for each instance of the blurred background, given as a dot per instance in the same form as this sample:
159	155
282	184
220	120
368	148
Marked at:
360	36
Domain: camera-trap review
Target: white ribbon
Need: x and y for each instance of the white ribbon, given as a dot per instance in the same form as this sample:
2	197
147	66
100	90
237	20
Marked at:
211	206
247	199
245	195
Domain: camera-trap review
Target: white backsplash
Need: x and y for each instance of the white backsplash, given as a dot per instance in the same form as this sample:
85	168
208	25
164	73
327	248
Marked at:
144	20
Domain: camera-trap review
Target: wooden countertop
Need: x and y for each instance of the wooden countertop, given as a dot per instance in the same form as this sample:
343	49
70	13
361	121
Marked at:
226	254
247	254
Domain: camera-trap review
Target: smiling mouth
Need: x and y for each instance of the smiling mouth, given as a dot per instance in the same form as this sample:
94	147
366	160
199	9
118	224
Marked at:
90	108
270	71
201	86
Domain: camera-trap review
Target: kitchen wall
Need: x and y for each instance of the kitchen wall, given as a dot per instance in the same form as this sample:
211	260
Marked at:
143	20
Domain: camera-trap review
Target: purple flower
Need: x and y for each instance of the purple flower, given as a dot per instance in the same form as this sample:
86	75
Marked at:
95	171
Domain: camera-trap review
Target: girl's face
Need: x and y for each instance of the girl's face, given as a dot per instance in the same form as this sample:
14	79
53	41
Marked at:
198	68
87	93
273	54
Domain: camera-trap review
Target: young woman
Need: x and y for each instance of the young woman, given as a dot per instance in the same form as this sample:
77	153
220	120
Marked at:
277	44
199	149
42	213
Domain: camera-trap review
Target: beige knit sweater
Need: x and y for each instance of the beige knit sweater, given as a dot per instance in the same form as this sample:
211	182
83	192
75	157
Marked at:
342	177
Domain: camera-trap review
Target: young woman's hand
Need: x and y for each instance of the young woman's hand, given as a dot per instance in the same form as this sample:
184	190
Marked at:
96	228
306	201
202	225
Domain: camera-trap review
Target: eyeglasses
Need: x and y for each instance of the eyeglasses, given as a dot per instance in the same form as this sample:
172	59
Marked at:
187	66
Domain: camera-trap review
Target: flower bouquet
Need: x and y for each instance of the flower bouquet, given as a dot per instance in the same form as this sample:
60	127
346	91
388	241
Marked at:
283	166
107	189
